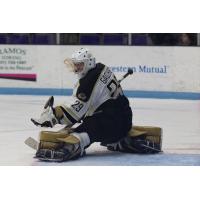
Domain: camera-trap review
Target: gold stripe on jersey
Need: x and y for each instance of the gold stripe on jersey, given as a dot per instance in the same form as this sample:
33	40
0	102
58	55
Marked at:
65	120
68	110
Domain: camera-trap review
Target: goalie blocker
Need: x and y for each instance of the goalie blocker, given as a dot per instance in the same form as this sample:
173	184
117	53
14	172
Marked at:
66	145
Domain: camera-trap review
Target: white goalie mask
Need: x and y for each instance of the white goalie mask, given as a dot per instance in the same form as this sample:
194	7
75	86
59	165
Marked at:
81	62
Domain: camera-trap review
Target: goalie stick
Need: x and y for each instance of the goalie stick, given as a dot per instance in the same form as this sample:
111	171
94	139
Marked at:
32	143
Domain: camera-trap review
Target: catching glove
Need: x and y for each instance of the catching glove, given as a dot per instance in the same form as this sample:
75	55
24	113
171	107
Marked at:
47	118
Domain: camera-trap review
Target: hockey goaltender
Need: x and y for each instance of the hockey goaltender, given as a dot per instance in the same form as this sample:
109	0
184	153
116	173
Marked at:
100	112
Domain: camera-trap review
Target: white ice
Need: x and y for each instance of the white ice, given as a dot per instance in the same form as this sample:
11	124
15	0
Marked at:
180	120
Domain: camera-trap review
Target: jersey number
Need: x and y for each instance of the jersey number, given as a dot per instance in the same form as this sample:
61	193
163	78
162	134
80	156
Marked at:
112	86
77	106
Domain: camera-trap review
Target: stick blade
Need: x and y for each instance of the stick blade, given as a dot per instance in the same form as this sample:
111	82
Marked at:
32	143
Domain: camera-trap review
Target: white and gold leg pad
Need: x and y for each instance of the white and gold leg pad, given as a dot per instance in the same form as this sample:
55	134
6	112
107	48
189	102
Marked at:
58	147
140	139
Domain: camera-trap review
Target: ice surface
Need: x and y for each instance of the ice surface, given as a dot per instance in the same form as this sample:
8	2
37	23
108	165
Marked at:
180	120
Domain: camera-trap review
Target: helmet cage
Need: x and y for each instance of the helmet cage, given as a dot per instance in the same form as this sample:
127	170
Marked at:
81	56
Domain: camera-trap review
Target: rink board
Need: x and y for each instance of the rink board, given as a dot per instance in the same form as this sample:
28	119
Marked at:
128	93
159	72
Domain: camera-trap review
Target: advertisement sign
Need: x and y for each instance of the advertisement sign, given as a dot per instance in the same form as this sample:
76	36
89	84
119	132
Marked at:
14	64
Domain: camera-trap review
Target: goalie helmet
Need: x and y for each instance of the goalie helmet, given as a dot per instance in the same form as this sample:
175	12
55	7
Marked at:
81	62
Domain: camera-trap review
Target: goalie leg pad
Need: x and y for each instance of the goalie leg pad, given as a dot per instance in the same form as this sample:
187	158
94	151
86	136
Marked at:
152	133
66	152
140	139
66	147
50	139
135	145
